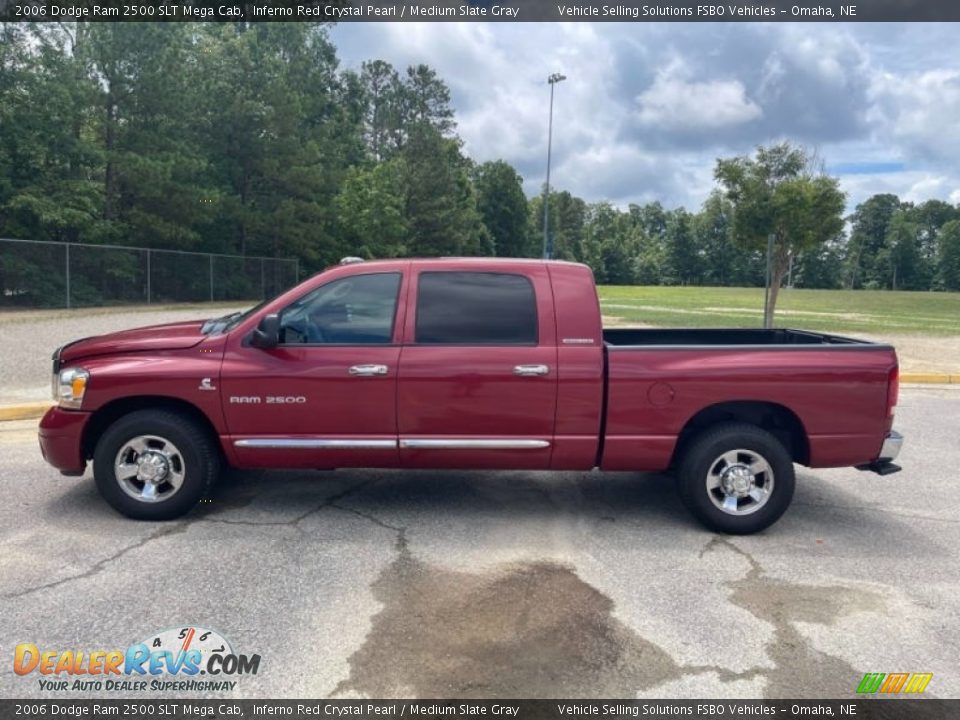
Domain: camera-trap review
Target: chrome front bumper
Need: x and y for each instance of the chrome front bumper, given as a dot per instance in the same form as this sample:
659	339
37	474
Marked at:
891	447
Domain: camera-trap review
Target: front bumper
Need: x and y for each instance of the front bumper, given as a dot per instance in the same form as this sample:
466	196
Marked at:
61	439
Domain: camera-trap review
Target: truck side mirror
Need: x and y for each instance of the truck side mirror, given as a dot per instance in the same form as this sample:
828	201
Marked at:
267	334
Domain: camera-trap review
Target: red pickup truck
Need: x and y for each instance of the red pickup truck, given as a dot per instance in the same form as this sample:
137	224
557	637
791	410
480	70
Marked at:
466	363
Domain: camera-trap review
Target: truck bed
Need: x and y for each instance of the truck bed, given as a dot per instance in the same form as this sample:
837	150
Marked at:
834	388
720	337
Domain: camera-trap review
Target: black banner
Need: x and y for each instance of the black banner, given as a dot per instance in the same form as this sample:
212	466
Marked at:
482	10
888	709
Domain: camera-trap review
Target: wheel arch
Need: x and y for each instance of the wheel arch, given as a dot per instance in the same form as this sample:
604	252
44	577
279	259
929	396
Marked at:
105	416
779	420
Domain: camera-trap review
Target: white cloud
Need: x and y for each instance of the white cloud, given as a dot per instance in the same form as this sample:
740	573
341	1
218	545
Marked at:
675	100
647	108
919	111
913	186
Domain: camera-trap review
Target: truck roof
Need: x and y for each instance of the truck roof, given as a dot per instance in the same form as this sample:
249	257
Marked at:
459	259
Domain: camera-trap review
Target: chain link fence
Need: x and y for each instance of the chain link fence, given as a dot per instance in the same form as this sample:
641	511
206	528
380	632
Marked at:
40	274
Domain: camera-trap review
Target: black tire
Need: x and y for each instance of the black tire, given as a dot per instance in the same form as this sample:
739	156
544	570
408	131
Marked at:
198	462
702	457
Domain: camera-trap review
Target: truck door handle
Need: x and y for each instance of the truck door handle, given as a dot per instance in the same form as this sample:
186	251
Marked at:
530	370
367	370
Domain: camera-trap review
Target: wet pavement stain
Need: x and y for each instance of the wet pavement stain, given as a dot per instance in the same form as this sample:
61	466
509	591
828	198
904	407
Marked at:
799	669
531	630
537	630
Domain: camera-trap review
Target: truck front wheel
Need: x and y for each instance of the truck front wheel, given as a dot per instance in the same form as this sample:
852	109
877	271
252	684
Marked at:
736	478
155	464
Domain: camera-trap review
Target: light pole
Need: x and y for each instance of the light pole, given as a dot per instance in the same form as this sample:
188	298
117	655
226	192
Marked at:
547	247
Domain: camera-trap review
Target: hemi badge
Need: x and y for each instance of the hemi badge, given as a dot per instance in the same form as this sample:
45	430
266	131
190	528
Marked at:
578	341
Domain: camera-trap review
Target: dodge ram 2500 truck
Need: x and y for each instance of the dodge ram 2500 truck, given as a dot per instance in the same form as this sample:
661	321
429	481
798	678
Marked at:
466	363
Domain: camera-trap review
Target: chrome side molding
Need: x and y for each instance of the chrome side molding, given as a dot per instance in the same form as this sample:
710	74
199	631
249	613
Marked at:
316	444
407	443
467	444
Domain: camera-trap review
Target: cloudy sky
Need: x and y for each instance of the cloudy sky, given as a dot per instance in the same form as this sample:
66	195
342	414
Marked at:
648	107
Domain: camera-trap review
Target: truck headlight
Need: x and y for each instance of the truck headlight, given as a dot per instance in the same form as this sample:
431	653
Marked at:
70	387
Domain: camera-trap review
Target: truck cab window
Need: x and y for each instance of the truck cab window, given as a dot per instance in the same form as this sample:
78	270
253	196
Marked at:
475	308
356	310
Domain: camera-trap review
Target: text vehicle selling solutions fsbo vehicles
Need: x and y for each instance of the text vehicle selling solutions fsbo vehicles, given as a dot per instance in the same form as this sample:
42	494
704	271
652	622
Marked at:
466	363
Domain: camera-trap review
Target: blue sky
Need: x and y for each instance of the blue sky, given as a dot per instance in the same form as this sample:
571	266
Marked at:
648	107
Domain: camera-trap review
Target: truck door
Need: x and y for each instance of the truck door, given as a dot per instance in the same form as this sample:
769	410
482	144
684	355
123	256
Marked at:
326	395
477	386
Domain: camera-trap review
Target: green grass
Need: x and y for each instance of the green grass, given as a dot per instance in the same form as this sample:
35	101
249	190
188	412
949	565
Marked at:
841	311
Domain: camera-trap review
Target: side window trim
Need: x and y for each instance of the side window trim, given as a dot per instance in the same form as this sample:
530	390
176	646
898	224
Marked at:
393	342
415	296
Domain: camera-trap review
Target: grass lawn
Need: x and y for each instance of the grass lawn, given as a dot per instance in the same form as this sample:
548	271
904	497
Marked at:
842	311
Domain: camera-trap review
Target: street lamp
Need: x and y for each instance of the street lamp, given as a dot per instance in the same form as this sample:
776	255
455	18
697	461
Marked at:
547	246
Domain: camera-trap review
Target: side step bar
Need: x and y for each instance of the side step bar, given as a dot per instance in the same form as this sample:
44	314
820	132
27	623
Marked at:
881	467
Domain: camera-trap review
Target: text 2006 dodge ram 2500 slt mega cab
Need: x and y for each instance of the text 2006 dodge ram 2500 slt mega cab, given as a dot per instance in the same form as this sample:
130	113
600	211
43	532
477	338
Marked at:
470	363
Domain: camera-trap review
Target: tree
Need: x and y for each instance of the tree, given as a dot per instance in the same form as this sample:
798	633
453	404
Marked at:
683	259
604	245
928	217
819	267
156	189
379	80
48	163
281	129
503	208
869	225
428	99
440	204
648	229
780	193
653	218
567	220
899	262
948	270
722	261
371	211
421	99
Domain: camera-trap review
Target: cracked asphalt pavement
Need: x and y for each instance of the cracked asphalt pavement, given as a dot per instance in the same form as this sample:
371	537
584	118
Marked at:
515	584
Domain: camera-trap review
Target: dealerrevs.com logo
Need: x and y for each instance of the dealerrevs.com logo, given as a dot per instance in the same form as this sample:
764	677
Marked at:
181	659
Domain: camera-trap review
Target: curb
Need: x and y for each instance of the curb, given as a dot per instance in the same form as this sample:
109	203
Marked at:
930	378
23	411
26	411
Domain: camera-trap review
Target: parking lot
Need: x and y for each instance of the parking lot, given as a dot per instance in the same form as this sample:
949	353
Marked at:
511	584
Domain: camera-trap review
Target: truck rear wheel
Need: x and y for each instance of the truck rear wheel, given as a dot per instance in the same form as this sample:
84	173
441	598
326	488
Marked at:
155	464
736	478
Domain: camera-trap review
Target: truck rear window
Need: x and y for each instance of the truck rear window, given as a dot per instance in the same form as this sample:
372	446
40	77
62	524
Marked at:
475	308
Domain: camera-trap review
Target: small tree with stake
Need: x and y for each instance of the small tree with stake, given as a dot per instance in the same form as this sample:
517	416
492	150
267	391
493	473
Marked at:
783	194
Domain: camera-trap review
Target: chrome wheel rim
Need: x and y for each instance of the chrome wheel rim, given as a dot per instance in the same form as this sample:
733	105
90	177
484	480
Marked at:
739	482
149	468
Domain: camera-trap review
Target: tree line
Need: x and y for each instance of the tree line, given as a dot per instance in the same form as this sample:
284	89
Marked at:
250	139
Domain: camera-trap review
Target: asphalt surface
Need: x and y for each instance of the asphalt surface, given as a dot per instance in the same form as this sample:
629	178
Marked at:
504	584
